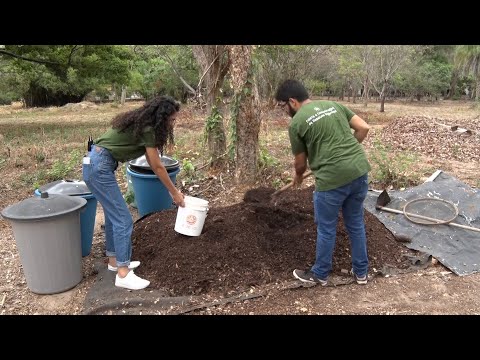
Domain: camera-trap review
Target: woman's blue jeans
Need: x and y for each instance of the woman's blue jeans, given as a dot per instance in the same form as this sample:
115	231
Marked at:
99	176
327	205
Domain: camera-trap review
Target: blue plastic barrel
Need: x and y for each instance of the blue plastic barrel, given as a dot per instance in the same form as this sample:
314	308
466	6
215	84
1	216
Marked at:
150	193
87	215
130	187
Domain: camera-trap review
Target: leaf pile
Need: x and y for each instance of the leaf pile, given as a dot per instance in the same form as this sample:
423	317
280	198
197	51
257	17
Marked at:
434	137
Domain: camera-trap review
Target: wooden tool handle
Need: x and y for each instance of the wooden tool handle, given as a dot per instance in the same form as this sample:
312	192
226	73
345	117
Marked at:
290	184
428	218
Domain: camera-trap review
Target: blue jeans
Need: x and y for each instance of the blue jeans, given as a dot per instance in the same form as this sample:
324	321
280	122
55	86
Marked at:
327	205
99	176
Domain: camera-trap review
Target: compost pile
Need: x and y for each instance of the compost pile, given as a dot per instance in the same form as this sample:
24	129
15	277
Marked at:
252	243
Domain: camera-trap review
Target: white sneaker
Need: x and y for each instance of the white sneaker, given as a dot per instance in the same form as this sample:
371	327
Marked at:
132	265
131	281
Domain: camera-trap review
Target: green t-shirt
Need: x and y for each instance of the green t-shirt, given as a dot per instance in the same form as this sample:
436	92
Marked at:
123	146
321	129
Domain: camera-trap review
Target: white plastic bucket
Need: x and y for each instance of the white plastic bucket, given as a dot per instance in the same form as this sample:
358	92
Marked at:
190	219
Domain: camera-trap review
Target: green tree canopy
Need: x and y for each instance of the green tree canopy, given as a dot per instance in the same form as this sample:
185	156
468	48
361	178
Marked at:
58	74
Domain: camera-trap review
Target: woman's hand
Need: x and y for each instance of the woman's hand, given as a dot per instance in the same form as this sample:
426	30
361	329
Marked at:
179	198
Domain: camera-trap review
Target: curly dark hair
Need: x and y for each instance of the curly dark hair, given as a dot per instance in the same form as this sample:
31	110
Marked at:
155	113
291	89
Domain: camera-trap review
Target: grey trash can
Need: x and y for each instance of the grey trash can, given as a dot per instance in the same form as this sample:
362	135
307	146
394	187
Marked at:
87	216
47	234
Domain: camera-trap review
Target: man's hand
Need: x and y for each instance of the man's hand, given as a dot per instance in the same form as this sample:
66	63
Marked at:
297	180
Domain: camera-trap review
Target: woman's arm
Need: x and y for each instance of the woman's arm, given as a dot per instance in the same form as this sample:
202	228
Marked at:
156	165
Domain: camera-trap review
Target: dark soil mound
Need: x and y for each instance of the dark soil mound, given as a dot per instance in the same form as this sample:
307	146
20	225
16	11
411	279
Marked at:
252	243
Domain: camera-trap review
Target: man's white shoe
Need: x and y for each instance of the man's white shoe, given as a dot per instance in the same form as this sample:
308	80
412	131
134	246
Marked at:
131	281
132	265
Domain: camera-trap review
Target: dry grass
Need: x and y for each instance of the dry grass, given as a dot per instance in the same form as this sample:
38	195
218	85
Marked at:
454	111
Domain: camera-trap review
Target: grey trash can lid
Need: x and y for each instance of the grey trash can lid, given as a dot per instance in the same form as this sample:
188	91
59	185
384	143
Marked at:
47	206
142	162
66	187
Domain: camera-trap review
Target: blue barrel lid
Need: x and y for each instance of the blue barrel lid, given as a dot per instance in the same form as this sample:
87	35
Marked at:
66	187
42	207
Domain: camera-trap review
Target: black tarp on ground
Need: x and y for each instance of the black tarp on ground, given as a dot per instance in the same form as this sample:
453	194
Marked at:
456	248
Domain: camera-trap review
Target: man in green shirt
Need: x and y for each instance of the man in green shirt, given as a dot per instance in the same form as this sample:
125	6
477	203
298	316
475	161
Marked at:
320	133
144	130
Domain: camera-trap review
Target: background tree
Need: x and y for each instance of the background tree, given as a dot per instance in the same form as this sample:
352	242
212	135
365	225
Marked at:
11	85
164	69
467	58
58	74
213	66
280	62
386	61
245	112
350	68
426	75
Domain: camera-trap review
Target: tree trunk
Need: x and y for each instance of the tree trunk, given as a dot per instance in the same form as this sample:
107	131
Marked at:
476	73
124	95
39	97
354	95
453	84
245	113
477	89
382	97
365	92
115	93
213	67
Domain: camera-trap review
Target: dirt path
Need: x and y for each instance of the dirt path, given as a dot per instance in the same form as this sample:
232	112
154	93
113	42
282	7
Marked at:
431	291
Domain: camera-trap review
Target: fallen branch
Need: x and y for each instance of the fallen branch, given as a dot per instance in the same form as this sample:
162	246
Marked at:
3	300
218	302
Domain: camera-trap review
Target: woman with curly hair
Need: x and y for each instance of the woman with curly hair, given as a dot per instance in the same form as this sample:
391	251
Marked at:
145	130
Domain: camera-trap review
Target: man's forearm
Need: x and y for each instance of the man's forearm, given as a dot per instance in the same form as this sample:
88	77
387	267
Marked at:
360	135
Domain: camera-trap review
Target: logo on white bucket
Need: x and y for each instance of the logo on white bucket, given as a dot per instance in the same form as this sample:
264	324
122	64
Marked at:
191	219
